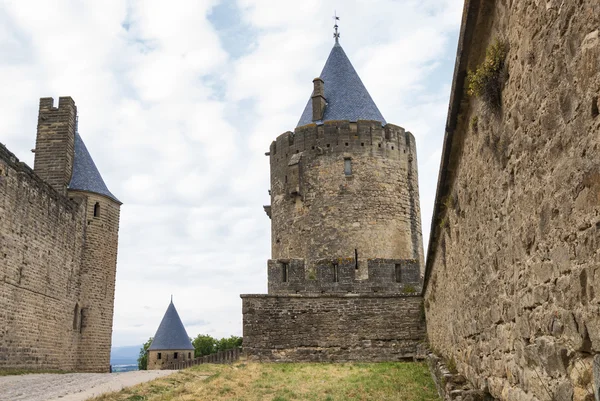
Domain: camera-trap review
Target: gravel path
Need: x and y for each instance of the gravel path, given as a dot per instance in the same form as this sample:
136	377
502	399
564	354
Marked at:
71	386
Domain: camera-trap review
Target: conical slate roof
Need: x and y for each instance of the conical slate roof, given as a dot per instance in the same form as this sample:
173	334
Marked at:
86	176
171	334
346	96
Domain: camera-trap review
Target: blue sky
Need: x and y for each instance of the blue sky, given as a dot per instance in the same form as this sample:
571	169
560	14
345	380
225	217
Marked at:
179	101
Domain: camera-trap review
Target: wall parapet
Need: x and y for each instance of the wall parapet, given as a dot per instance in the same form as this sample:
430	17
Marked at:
341	275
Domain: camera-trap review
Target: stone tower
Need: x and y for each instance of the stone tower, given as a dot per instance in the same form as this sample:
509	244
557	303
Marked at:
63	161
171	342
344	190
347	256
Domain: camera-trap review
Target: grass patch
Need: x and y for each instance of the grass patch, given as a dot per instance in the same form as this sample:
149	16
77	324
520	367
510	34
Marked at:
409	381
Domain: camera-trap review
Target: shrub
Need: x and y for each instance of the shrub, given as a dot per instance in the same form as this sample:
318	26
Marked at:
143	357
486	81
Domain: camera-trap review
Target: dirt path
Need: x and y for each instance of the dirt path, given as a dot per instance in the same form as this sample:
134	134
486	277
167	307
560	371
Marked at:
71	386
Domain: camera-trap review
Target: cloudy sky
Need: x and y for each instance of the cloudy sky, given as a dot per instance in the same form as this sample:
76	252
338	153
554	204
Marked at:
179	100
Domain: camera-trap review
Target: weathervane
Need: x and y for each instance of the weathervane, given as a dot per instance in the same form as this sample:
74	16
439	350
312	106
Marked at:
336	34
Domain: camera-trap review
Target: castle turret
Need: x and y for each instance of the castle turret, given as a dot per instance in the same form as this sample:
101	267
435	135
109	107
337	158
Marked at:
344	193
63	161
345	274
171	342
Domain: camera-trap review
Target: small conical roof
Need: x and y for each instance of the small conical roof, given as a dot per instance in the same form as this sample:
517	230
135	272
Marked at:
171	334
346	95
86	176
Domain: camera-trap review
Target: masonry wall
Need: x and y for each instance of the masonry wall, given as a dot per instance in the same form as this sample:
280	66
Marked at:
320	212
98	274
41	243
513	270
168	357
335	328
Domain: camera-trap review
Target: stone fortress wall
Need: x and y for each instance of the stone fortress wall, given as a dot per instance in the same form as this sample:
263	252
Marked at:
332	327
513	267
41	243
57	256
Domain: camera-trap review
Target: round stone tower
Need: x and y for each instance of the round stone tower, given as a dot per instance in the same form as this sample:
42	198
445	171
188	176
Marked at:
344	194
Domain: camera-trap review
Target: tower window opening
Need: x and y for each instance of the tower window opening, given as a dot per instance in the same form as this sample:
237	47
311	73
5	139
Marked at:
398	272
362	144
97	209
348	166
159	356
174	355
76	317
379	145
336	277
82	319
392	148
346	143
328	145
356	259
189	355
284	272
286	179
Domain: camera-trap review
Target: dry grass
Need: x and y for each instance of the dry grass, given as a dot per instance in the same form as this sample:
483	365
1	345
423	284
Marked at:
286	382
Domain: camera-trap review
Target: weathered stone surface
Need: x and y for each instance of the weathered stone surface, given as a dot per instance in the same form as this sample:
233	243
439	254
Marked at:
332	327
597	377
57	259
512	290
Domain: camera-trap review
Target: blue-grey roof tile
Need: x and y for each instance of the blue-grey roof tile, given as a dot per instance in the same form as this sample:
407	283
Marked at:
86	176
346	95
171	334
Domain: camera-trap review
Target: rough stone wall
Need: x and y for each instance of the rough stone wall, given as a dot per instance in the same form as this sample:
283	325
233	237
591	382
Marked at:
55	142
335	328
41	242
385	276
320	212
513	270
98	271
167	357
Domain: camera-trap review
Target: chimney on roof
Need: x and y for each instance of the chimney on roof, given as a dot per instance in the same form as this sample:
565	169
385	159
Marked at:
318	99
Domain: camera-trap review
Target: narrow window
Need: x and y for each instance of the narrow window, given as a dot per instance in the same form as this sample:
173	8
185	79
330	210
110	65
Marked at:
348	166
76	317
335	273
286	179
356	259
398	274
189	355
175	355
284	272
82	319
97	209
159	356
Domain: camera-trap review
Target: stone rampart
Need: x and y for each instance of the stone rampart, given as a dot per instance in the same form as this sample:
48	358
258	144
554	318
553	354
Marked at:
385	276
332	328
513	273
41	243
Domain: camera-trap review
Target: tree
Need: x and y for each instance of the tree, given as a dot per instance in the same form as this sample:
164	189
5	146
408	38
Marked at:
204	345
228	343
143	358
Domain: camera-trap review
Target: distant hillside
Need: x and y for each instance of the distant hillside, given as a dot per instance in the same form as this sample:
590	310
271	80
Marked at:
124	355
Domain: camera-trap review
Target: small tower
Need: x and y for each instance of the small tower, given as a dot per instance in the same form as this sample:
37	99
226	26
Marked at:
171	342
